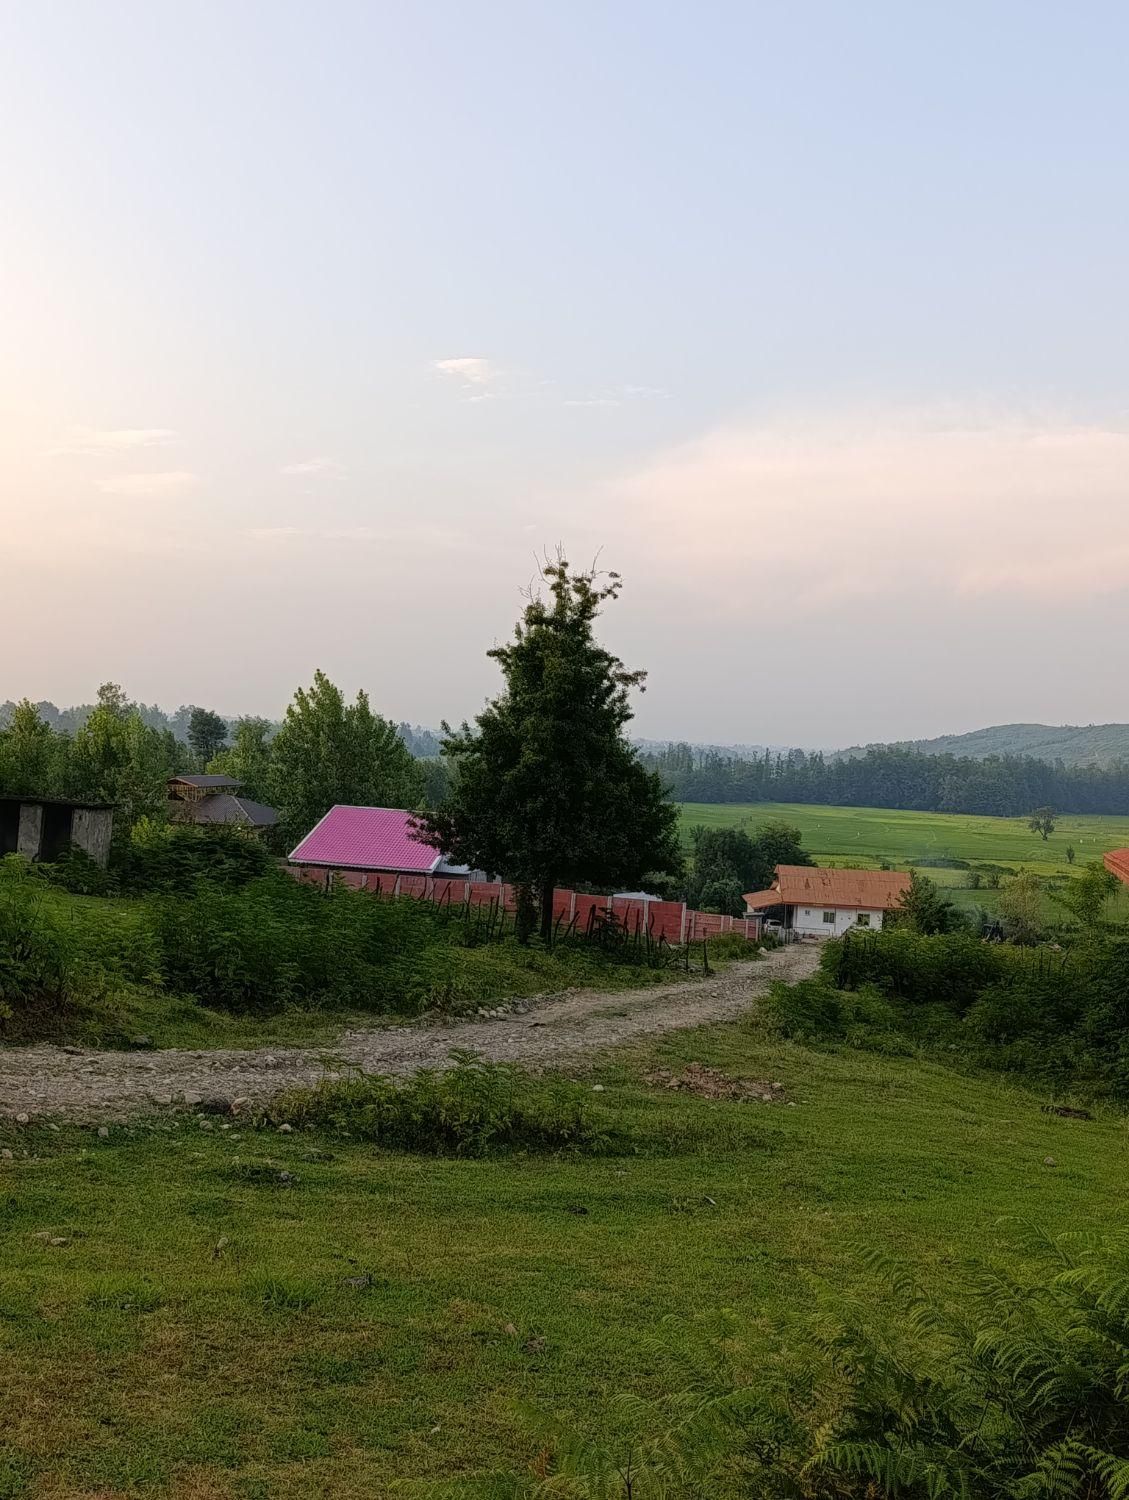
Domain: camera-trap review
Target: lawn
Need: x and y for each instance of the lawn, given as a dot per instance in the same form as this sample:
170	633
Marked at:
204	1331
864	836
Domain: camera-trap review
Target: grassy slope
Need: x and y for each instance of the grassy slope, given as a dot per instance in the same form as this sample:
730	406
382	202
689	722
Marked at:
866	835
193	1337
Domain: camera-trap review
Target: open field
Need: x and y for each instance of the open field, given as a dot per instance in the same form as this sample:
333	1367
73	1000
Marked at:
201	1330
864	836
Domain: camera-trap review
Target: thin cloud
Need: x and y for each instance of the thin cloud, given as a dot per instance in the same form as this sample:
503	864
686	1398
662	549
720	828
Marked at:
426	533
921	506
106	440
620	395
470	372
307	466
167	482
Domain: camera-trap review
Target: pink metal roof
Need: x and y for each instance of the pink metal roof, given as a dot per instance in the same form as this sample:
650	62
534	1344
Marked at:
366	838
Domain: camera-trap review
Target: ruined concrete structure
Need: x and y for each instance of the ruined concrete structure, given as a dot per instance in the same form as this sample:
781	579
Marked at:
43	828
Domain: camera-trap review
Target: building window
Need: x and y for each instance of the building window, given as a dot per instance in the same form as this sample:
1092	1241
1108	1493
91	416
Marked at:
829	917
863	919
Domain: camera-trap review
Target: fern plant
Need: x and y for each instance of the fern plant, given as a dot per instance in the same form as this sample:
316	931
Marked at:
1013	1390
1022	1393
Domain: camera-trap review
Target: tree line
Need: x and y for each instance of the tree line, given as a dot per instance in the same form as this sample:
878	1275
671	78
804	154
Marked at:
326	750
894	776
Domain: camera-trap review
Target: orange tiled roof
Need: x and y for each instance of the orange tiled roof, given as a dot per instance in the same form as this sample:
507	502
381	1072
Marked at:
1117	863
802	885
754	900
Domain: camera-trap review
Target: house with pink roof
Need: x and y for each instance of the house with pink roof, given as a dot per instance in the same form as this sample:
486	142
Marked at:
371	839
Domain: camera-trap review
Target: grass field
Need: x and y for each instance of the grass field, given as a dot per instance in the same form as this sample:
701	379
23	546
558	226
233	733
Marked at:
199	1331
864	836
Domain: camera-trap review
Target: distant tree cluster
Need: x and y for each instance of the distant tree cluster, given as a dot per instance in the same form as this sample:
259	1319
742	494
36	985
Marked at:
326	751
893	776
725	863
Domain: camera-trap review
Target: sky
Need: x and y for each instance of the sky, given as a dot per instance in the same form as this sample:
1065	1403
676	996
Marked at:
319	323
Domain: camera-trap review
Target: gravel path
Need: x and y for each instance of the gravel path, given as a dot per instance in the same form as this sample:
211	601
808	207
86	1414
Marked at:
91	1085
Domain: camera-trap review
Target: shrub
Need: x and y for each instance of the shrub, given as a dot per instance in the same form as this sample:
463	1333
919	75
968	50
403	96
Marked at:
1019	1393
228	948
815	1011
175	856
76	872
469	1109
949	969
39	969
1061	1016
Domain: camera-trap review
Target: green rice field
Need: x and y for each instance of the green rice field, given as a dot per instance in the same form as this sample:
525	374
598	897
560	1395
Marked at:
865	836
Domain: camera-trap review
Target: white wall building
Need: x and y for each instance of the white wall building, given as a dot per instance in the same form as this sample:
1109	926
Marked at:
816	903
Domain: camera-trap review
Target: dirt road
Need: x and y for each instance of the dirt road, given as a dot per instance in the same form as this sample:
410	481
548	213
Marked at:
92	1085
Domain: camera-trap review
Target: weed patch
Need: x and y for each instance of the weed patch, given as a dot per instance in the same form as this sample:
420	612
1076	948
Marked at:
470	1109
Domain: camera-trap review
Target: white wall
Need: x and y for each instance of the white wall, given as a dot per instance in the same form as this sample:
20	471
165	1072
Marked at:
808	920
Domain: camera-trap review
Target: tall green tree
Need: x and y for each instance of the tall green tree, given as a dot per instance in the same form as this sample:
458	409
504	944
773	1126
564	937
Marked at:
1086	895
546	789
206	734
329	751
923	908
32	756
248	757
116	757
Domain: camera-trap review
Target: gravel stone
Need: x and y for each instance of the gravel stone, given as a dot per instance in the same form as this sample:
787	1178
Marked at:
101	1086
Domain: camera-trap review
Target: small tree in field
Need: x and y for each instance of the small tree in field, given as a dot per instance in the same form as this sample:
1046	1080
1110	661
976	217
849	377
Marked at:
1042	821
546	789
1070	855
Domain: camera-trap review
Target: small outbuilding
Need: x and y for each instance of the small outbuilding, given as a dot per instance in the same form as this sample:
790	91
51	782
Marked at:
43	828
216	799
826	903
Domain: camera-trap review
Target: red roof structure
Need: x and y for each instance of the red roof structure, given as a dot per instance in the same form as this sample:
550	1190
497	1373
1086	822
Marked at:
1117	863
804	885
367	838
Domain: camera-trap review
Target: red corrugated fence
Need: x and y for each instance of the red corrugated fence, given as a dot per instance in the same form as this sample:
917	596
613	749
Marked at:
671	920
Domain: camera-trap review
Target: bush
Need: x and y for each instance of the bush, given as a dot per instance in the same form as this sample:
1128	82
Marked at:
228	948
39	967
470	1109
815	1011
1060	1016
175	856
949	969
1020	1393
76	872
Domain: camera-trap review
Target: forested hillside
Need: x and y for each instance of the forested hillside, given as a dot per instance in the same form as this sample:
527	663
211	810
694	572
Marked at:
1072	744
895	776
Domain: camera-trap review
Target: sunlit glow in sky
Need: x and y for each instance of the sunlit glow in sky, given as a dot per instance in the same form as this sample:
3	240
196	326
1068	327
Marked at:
318	323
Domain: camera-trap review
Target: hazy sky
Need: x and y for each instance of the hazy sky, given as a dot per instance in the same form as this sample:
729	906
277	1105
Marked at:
318	320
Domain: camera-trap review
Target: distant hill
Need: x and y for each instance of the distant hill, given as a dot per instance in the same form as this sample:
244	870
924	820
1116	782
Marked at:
1073	744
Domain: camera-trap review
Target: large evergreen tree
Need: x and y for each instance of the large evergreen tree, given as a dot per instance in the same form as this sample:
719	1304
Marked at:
546	789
